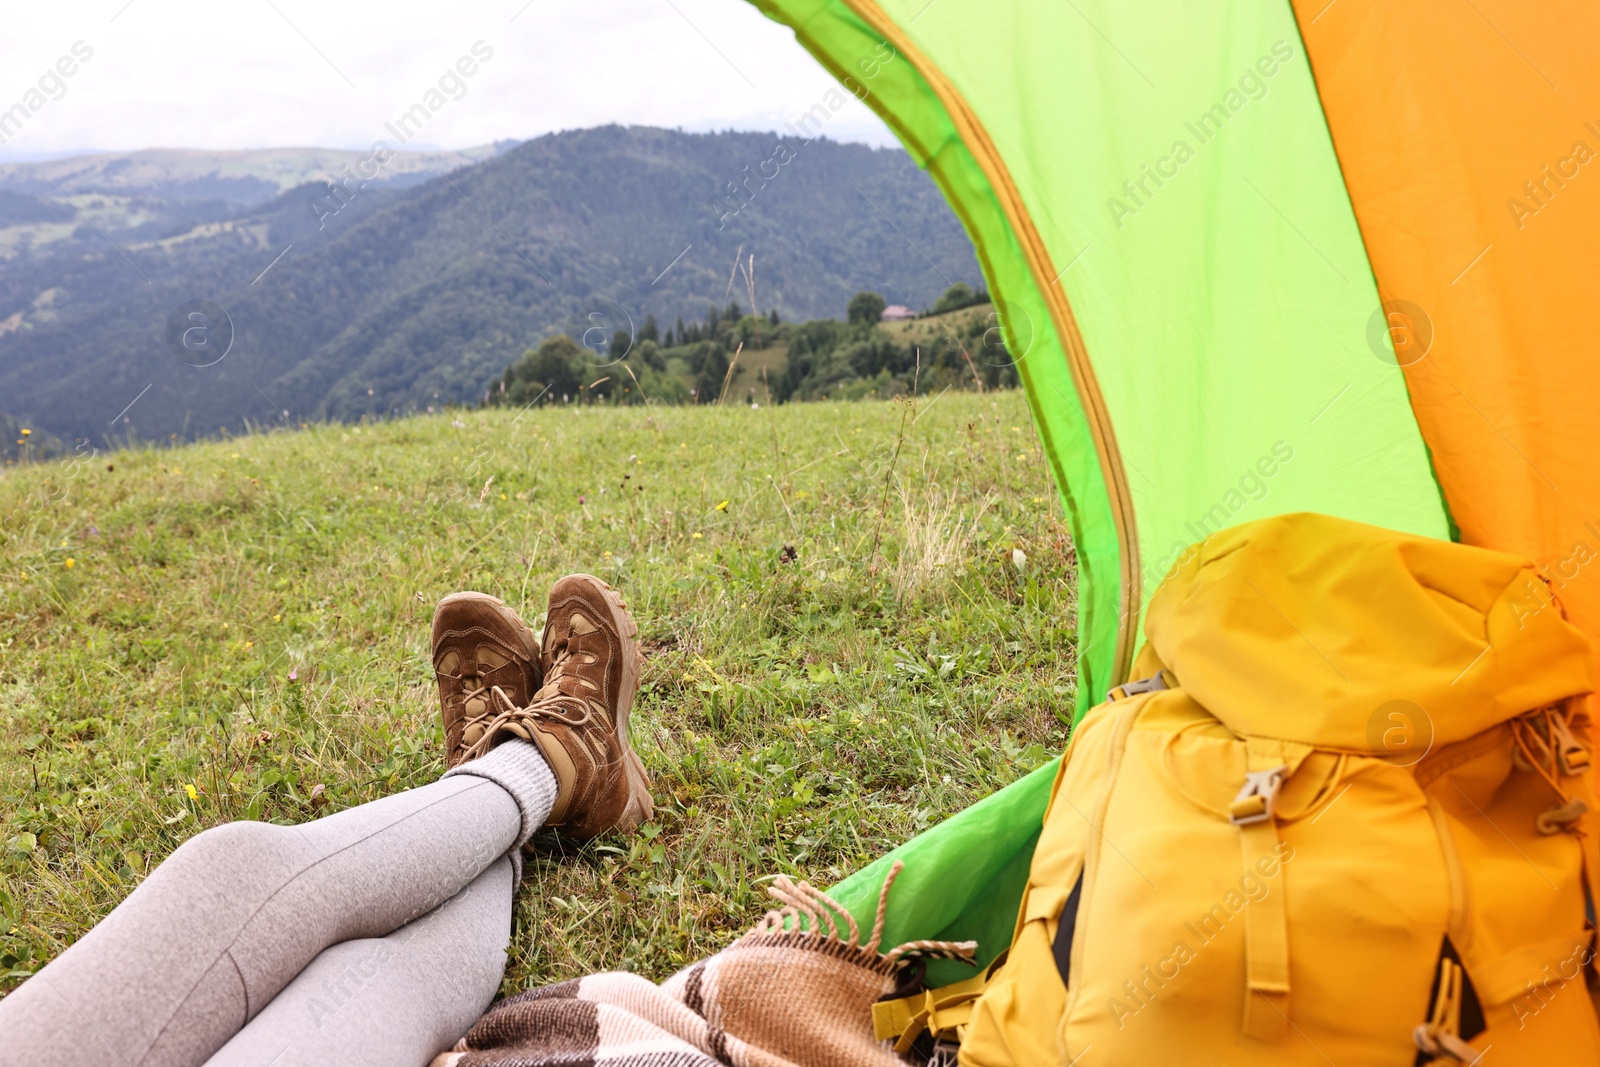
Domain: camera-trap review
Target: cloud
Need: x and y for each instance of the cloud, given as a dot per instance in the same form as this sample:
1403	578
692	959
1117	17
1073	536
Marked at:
181	73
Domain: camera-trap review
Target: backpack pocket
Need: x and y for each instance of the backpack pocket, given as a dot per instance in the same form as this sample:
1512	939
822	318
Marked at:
1016	1023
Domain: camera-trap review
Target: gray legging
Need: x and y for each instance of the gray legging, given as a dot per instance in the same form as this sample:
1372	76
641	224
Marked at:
373	936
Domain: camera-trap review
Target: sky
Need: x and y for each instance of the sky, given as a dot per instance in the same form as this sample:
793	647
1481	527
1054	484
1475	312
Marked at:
279	73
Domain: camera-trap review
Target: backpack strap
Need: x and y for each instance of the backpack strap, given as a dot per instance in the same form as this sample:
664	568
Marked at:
943	1012
1266	931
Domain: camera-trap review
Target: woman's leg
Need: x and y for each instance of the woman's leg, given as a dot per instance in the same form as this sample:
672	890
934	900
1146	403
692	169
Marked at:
393	1001
212	935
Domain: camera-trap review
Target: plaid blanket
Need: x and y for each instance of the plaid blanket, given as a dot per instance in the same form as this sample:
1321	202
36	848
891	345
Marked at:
796	991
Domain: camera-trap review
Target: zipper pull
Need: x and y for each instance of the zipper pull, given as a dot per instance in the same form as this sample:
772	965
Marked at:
1439	1038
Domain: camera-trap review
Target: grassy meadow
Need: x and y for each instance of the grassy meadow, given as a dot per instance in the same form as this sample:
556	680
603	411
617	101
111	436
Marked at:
858	619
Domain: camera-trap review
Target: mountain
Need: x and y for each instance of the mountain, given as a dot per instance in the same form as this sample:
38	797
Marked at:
246	177
375	298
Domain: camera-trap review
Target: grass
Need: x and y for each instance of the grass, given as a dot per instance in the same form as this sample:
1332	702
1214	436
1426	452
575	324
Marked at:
238	630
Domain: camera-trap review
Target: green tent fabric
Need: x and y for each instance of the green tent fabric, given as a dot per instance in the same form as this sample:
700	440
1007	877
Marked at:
962	880
1160	215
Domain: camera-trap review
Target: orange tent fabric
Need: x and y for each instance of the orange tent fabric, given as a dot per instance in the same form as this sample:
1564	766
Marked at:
1469	137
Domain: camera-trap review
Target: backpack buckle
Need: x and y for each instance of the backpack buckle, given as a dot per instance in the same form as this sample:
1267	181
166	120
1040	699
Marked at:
1257	796
1155	683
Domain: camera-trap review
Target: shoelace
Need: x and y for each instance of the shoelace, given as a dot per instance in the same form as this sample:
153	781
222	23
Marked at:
554	708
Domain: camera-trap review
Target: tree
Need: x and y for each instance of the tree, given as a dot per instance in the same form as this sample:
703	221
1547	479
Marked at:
710	365
649	332
682	337
553	369
621	342
865	308
959	295
650	354
772	316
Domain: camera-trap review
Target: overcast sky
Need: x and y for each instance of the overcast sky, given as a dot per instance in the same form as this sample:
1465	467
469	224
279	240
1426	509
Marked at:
268	73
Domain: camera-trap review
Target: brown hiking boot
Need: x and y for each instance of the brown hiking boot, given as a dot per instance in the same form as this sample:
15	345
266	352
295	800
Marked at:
486	659
579	718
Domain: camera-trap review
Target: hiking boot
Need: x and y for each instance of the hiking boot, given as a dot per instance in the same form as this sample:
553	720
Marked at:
579	716
486	660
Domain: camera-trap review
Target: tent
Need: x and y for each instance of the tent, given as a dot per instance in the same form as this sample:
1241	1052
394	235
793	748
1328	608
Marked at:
1255	258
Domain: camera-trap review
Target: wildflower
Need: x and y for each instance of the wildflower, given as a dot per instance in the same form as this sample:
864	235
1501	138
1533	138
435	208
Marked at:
177	470
1038	500
71	563
188	787
294	674
94	531
722	506
236	455
27	433
502	496
697	535
582	499
249	645
277	618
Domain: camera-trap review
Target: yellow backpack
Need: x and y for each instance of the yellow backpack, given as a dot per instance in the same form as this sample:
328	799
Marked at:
1340	820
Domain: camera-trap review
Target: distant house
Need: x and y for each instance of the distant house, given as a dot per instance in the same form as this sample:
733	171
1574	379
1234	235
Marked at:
897	313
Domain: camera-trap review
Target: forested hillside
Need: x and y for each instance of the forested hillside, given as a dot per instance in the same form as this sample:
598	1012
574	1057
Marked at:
371	299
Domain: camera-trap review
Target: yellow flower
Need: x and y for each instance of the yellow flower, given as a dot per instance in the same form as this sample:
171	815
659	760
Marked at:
249	644
277	618
187	788
236	455
27	433
502	496
177	470
71	563
1038	500
697	535
722	506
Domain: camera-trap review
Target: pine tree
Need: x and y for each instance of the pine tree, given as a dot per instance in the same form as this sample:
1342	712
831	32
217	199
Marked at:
648	331
621	342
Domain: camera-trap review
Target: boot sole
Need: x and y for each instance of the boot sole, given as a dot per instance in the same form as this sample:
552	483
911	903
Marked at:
640	806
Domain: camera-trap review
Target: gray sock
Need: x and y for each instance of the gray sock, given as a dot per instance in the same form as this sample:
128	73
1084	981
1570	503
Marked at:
518	767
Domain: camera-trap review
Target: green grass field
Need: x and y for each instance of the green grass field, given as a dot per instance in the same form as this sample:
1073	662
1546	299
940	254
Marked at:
239	630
